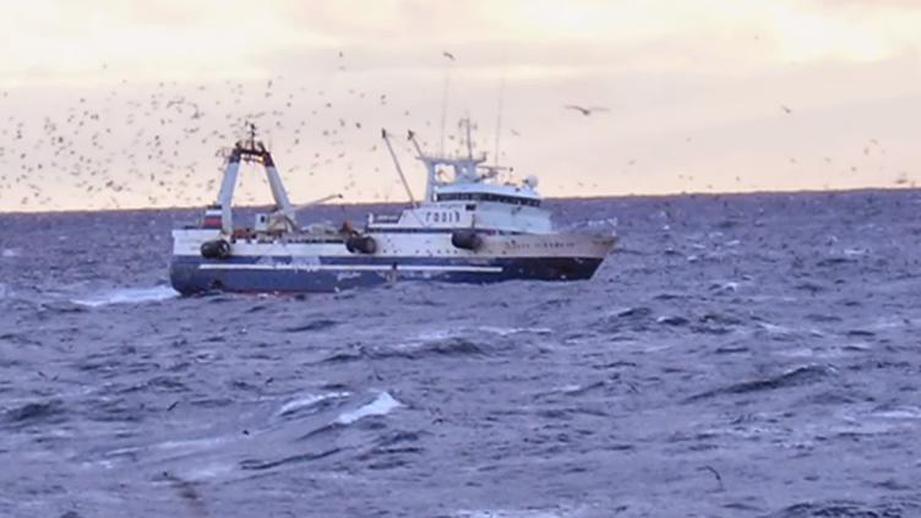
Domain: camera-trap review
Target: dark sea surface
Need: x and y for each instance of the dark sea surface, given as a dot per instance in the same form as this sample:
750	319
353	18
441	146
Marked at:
753	355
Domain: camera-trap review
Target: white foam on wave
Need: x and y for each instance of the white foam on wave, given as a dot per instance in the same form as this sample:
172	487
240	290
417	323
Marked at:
128	296
208	471
775	328
440	334
901	412
172	446
505	331
510	513
307	401
190	445
721	286
571	388
461	332
382	405
9	253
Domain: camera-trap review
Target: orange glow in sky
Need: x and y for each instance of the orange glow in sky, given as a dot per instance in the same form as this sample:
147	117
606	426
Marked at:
111	104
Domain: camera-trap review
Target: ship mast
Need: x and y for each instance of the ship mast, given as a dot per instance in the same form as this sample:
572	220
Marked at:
396	163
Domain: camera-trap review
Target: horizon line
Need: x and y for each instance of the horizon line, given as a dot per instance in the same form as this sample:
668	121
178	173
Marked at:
683	194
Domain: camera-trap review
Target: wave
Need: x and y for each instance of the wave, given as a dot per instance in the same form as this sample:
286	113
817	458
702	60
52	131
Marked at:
800	376
451	347
308	401
383	404
461	332
128	296
313	325
253	464
898	412
724	286
673	320
847	509
506	331
513	513
52	410
572	389
635	318
637	312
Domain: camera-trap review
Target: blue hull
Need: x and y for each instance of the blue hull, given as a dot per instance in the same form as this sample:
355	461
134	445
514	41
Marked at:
190	275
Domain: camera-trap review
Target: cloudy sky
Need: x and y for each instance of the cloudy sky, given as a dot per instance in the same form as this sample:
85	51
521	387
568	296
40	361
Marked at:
111	104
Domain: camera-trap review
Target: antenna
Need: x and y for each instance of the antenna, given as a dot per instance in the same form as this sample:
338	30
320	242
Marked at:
499	117
469	142
444	101
411	136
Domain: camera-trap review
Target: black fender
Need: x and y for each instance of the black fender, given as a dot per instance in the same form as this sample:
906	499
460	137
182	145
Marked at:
467	239
217	249
361	245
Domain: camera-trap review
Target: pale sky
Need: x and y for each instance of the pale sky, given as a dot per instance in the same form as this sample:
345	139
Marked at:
109	104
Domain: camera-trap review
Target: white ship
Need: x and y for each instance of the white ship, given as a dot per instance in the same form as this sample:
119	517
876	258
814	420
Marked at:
469	227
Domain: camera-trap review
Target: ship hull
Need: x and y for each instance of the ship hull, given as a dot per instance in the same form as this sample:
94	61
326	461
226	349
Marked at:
190	275
289	266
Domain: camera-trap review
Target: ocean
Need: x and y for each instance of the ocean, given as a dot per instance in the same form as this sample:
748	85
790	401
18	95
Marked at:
739	355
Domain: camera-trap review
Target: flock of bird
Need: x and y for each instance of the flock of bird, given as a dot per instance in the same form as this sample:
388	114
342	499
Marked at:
153	145
870	147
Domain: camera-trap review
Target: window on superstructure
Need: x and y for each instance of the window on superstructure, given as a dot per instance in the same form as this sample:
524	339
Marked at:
496	198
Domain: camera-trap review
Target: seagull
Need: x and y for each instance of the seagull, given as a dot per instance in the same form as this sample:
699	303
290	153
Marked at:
447	54
786	109
585	111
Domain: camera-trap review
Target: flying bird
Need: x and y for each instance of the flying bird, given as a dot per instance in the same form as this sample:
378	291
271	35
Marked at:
786	109
586	111
447	54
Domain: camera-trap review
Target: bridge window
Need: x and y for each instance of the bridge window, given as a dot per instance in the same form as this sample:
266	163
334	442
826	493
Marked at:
485	196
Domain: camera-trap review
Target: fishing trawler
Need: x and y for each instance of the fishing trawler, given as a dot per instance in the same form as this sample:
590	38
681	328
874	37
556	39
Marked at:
469	227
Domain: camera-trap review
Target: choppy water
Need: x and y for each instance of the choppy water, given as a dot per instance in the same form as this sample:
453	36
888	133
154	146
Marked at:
740	356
